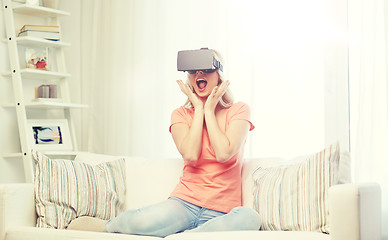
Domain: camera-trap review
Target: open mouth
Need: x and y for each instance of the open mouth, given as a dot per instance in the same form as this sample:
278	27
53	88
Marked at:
201	83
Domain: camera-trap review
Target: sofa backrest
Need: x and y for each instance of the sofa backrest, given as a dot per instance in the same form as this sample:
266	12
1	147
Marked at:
150	181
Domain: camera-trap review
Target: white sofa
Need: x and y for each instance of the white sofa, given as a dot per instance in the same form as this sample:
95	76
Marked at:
354	209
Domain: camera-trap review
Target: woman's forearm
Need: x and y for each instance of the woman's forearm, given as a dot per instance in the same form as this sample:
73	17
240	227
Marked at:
191	145
219	141
226	145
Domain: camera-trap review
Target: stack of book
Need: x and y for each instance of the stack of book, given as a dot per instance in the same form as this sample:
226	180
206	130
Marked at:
40	31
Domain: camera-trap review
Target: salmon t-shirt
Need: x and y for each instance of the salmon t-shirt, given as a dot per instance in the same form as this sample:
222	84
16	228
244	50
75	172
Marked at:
208	183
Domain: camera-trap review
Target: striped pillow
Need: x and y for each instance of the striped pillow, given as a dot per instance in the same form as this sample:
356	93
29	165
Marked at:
293	196
65	189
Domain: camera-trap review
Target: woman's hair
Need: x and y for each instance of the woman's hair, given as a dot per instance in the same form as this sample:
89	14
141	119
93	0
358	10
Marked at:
227	99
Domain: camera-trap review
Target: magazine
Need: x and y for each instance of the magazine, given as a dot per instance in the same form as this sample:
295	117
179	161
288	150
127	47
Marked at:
53	36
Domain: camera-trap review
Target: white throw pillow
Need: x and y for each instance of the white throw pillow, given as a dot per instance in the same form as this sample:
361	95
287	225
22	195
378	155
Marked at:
65	190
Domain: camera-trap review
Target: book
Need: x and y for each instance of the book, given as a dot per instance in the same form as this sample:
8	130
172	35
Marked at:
53	36
46	91
43	28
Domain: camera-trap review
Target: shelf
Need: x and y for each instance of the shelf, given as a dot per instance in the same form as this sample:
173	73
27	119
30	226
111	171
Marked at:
47	105
54	105
39	42
13	155
38	10
48	153
20	75
40	74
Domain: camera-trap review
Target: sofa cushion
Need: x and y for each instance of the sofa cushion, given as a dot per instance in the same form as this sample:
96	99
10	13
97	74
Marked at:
34	233
65	189
250	165
249	235
293	195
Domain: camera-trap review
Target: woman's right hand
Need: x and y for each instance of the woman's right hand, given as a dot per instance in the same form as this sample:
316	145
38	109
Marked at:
193	97
188	139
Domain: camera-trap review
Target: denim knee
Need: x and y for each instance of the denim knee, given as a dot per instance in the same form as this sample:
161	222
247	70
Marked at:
251	218
159	220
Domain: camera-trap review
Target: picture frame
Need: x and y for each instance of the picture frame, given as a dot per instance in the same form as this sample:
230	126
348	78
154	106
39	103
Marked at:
49	134
37	58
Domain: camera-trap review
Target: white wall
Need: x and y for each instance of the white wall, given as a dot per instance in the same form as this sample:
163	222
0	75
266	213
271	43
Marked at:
282	122
11	169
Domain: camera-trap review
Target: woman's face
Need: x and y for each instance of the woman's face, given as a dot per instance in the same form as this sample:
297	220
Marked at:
203	83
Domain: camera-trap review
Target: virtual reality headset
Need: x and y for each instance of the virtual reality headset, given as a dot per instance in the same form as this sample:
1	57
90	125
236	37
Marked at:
194	60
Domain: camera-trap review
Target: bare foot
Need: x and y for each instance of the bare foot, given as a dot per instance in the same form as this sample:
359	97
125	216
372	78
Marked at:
88	224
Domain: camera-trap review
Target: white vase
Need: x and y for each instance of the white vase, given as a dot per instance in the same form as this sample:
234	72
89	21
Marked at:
32	2
51	3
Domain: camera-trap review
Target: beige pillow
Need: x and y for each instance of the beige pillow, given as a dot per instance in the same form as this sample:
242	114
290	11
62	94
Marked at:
95	158
65	190
293	196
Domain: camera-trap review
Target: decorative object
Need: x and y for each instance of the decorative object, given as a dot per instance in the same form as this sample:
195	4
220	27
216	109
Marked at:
49	134
37	58
32	2
65	190
46	91
51	3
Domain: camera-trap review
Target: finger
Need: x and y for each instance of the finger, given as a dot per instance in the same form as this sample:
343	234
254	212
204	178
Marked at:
184	88
180	83
214	91
222	89
225	85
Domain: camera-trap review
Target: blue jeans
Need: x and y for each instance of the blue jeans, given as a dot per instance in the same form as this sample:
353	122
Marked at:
175	215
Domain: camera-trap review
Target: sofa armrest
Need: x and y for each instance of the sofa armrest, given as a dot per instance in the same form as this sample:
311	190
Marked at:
17	206
355	211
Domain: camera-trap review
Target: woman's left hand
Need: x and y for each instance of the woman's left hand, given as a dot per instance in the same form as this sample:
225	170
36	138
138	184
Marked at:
215	96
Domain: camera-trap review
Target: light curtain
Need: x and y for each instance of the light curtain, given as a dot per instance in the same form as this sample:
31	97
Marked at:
368	31
106	72
273	52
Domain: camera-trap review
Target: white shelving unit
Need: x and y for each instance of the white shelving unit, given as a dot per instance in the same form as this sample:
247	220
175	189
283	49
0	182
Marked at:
19	75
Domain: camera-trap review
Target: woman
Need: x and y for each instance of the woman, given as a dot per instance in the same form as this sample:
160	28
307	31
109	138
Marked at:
209	132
